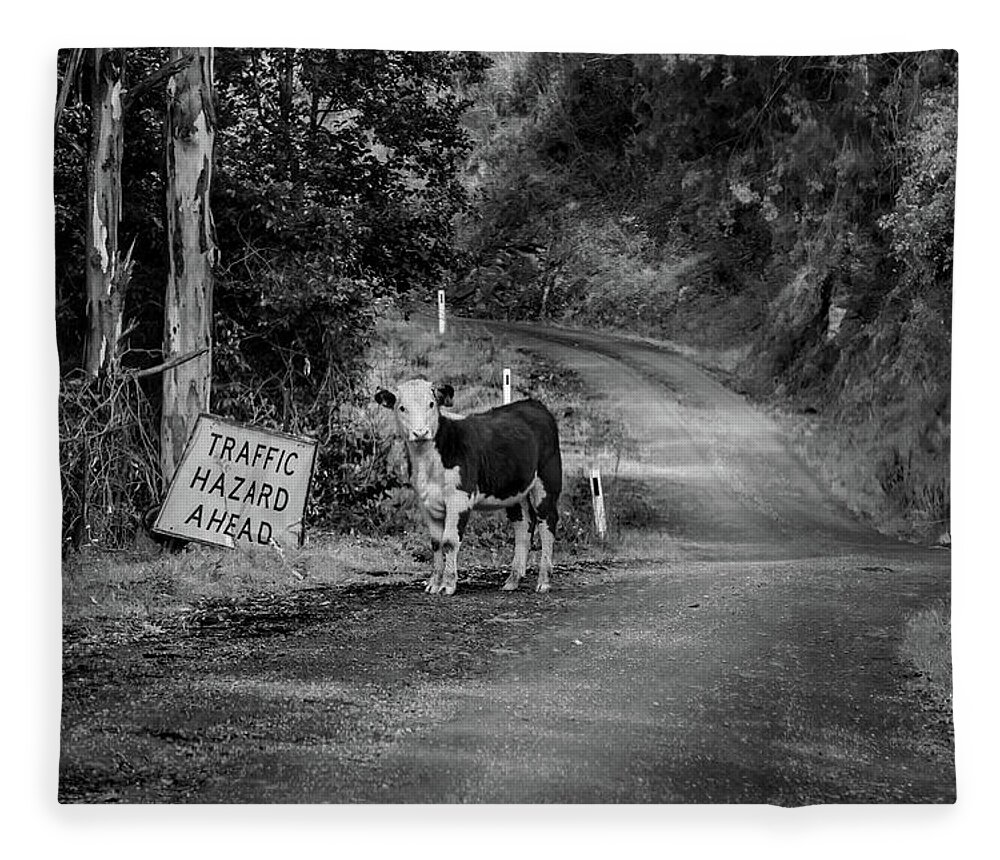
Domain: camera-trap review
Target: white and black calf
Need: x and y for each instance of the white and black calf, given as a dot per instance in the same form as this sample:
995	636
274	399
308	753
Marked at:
505	458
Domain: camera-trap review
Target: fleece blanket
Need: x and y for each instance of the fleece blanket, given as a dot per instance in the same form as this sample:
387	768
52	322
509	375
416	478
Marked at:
489	427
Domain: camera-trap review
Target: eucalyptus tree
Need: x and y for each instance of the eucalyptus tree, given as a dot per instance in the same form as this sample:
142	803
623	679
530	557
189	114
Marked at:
97	74
191	248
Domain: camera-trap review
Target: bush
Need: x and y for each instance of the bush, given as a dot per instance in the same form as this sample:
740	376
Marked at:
109	472
356	479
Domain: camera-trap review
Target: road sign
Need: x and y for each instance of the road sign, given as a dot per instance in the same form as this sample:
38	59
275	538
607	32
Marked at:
506	385
440	311
239	485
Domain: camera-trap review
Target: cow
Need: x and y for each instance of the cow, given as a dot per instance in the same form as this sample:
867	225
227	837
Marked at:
507	458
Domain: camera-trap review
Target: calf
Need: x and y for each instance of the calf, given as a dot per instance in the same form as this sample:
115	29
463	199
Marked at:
505	458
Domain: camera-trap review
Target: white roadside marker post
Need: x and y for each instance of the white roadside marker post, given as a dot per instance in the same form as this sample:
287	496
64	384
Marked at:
440	311
597	493
506	385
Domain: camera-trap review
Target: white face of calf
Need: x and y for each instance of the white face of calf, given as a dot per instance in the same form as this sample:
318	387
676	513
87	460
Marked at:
417	407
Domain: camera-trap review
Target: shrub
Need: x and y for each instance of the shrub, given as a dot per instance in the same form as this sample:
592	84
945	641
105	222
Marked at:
109	472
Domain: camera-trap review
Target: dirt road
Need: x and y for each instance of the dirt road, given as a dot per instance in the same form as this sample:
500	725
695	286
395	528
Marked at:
746	650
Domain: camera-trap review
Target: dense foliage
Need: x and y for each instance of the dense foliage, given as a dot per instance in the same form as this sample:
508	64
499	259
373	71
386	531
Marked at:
335	188
798	209
795	212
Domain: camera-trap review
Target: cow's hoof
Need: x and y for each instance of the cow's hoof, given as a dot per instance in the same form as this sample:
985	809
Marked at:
433	587
542	587
510	585
448	589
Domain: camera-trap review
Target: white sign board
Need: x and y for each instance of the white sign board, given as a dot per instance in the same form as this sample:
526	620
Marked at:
440	311
506	385
239	485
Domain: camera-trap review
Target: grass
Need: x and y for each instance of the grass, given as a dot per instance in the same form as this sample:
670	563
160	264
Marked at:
838	457
133	590
927	645
854	462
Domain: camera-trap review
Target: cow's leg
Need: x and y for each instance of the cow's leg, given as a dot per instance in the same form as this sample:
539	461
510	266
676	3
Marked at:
518	514
547	534
436	528
548	518
455	520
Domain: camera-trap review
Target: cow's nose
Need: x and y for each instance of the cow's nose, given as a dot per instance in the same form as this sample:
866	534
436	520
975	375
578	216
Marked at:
422	435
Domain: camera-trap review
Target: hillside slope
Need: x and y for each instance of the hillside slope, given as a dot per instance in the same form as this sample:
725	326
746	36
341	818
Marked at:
788	218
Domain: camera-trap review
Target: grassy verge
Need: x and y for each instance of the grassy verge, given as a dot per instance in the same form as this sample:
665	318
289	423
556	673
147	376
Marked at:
906	497
927	645
133	591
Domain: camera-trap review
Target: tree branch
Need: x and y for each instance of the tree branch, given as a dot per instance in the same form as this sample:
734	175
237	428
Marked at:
154	79
167	365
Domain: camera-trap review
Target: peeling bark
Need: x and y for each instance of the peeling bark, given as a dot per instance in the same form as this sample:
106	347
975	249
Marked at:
105	287
190	137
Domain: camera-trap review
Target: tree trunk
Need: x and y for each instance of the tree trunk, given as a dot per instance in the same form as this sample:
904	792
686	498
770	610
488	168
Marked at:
190	136
105	286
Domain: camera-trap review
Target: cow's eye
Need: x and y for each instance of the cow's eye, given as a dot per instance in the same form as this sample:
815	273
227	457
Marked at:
402	408
430	405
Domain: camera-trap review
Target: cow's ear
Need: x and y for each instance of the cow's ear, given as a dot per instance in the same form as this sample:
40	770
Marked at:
385	398
444	394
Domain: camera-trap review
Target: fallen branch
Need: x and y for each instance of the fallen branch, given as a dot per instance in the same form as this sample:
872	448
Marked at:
167	365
